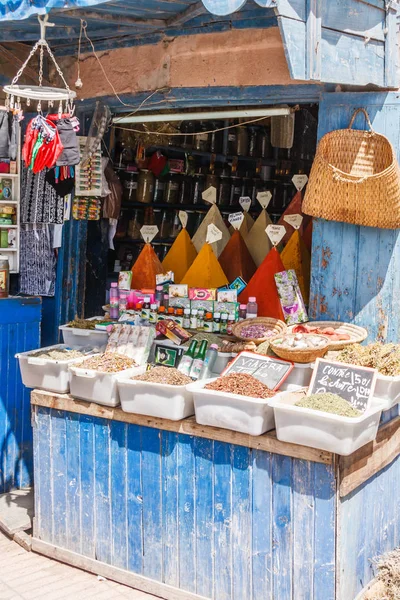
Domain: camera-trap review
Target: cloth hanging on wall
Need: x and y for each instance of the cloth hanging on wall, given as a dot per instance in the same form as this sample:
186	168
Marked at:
4	135
40	203
37	261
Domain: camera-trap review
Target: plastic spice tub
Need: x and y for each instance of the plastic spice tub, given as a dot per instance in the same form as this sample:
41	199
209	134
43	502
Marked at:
45	373
75	337
231	411
222	361
298	378
161	400
387	390
97	386
325	431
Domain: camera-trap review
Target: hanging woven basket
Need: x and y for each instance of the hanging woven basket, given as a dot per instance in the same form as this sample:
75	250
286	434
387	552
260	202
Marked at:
355	178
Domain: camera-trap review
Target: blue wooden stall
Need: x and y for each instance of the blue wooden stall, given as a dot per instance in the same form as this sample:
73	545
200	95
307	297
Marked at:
19	331
190	512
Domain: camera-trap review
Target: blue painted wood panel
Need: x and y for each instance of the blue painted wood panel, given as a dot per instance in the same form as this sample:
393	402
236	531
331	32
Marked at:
19	331
221	521
356	270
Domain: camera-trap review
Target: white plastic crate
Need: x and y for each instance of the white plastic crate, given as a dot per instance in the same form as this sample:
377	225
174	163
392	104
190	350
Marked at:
387	390
222	361
44	373
298	378
325	431
95	386
231	411
75	337
161	400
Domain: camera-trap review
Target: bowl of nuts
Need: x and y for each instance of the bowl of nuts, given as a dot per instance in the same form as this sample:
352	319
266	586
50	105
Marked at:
300	347
259	329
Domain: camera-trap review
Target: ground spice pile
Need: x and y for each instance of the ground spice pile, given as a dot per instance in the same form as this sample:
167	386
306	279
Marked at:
384	357
145	269
257	241
166	375
205	272
262	286
241	384
213	217
58	354
296	256
180	256
107	363
236	260
293	208
330	403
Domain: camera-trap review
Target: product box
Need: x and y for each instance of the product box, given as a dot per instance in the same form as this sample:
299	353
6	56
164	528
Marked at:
163	278
202	293
179	303
227	296
238	284
206	305
138	296
231	308
173	331
131	341
294	310
178	290
166	356
124	280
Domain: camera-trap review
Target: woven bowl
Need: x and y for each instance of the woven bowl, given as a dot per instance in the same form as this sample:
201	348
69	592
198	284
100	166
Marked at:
300	356
276	327
357	334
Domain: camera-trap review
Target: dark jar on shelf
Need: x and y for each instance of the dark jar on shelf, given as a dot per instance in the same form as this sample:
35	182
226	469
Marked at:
165	226
130	184
176	226
232	141
216	137
264	144
198	187
186	190
242	141
212	180
224	192
236	191
159	190
253	145
188	128
145	186
171	194
202	139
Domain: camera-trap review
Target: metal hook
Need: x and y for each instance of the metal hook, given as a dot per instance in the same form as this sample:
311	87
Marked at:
43	22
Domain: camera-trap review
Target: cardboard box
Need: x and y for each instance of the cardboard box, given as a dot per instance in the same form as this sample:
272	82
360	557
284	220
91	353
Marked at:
178	290
173	331
202	293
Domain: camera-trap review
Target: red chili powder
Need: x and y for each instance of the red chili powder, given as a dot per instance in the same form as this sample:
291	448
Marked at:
145	269
262	286
236	260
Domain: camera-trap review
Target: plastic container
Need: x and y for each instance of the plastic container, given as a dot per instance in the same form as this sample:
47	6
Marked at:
298	378
387	390
44	373
223	359
95	386
248	415
79	338
160	400
325	431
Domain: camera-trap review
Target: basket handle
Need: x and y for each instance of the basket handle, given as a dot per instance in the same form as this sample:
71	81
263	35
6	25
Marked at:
366	115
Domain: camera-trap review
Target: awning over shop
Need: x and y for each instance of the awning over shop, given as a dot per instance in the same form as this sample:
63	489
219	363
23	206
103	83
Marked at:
23	9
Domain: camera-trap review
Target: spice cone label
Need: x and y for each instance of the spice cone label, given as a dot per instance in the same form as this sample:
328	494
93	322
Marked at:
210	195
236	219
294	220
149	232
213	234
245	203
275	233
264	198
183	217
299	181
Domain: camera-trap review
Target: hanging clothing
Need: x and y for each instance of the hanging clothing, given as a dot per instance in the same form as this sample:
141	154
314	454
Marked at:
70	155
112	202
40	202
42	146
37	261
4	135
13	151
62	179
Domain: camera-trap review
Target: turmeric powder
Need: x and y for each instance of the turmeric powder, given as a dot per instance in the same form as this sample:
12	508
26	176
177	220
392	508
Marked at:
296	256
145	269
180	256
205	272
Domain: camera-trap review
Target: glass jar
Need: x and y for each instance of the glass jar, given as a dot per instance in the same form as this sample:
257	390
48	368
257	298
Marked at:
242	141
159	189
253	146
171	195
176	226
212	180
165	227
188	128
157	220
236	191
198	187
201	140
186	190
130	184
264	144
224	192
216	137
232	141
145	187
191	223
135	226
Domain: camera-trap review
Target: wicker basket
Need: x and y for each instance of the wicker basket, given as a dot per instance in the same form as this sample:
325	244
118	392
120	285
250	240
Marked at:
276	326
300	356
355	178
357	334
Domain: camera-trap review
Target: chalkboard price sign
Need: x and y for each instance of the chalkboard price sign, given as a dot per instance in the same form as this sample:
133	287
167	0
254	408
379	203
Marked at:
350	382
270	371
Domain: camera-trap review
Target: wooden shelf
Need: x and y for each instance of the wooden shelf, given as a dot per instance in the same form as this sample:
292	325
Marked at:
8	201
3	226
8	250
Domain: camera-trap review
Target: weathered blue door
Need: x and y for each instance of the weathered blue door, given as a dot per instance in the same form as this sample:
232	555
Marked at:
356	270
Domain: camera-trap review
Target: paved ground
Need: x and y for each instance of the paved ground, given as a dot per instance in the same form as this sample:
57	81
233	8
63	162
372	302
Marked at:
28	576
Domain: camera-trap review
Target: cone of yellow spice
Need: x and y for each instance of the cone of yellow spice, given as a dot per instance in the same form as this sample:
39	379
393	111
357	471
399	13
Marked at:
296	256
145	269
205	272
180	256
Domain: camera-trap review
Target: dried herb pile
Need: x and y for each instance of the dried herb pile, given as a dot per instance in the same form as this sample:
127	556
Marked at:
166	375
107	363
384	357
83	324
330	403
241	384
61	354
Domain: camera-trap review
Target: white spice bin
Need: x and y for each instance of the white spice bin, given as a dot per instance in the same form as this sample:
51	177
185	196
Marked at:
45	373
387	390
97	386
73	336
322	430
299	377
231	411
152	399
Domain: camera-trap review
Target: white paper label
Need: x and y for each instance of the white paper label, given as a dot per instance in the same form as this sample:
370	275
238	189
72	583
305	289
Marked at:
299	181
213	234
294	220
264	198
210	195
245	203
236	219
275	233
183	217
149	232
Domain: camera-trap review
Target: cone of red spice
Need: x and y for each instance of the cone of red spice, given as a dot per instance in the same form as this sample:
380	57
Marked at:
236	260
307	236
294	208
262	286
145	269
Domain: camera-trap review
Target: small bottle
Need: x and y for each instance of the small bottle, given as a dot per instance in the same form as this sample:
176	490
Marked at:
252	308
123	301
161	313
145	314
197	364
224	323
208	323
114	301
193	319
171	313
230	324
179	316
242	312
186	318
209	362
153	313
159	295
200	320
166	301
187	359
217	322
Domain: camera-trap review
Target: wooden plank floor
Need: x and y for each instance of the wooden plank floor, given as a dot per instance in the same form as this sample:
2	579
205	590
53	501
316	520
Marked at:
28	576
